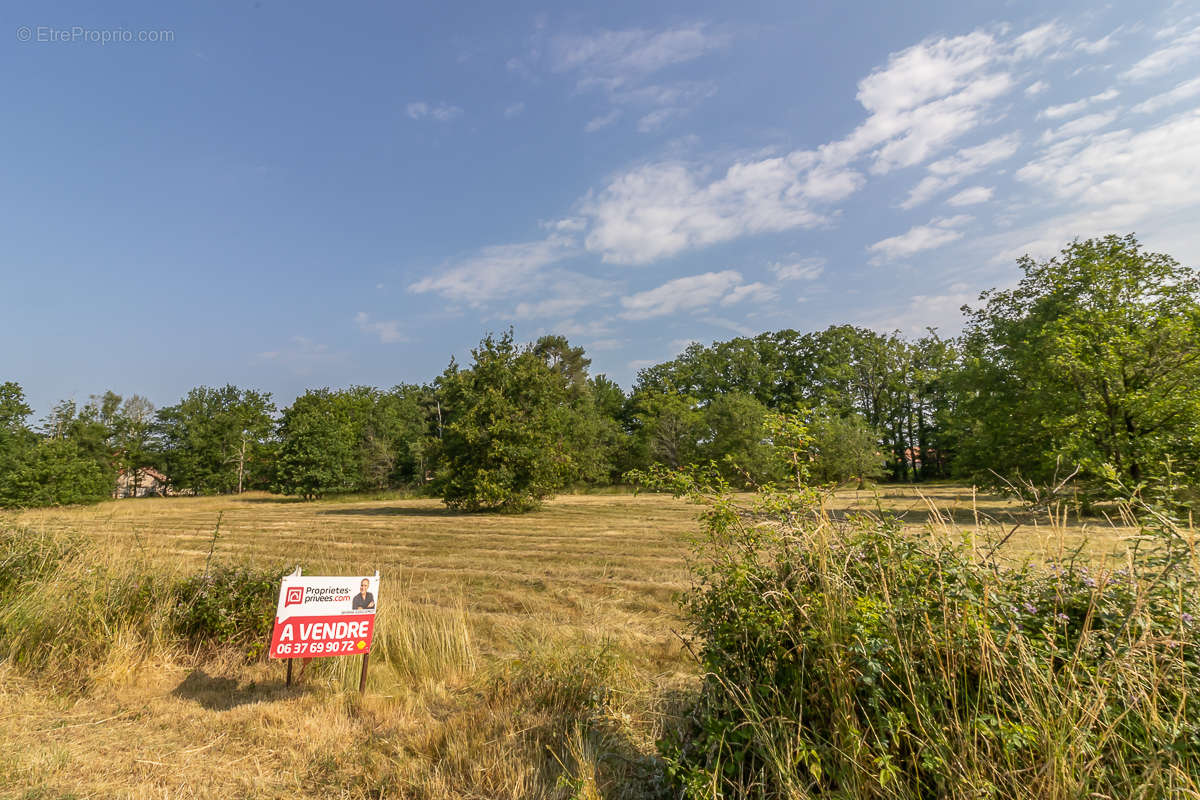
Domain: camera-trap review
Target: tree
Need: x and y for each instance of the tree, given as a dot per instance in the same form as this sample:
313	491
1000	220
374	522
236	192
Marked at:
843	448
15	438
318	450
133	439
1092	360
733	437
214	438
506	442
43	471
667	427
54	472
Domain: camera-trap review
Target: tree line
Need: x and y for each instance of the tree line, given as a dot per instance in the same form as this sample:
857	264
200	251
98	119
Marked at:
1088	368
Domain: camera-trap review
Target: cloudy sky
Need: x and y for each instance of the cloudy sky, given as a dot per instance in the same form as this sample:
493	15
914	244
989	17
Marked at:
288	195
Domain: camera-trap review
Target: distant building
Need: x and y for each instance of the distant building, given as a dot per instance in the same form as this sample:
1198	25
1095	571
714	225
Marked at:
146	483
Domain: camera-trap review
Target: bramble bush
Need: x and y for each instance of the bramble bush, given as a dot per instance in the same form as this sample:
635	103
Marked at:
227	606
850	659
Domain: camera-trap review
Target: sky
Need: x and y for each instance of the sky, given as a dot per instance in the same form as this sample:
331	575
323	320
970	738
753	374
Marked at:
297	195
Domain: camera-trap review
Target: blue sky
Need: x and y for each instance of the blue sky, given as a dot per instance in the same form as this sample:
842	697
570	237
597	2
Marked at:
299	195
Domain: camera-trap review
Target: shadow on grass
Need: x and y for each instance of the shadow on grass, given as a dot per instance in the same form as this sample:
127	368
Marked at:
222	694
396	511
277	499
919	513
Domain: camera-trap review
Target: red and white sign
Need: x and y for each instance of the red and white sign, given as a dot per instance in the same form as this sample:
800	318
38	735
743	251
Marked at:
322	615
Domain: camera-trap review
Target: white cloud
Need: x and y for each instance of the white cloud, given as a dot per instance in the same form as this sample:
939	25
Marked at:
950	171
804	269
756	292
658	118
926	96
1036	88
972	196
563	294
388	330
970	160
1182	48
693	293
442	112
514	110
1080	126
940	311
1056	112
1102	45
661	209
1157	166
602	121
919	238
624	55
621	65
1182	91
1113	182
1035	42
497	271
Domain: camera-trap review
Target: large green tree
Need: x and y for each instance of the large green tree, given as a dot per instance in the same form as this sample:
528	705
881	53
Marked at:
1092	360
508	439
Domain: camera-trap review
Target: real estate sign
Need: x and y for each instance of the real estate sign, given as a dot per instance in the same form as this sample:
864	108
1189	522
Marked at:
323	615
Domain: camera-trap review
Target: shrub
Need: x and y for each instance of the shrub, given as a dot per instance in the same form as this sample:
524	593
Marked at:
853	660
227	605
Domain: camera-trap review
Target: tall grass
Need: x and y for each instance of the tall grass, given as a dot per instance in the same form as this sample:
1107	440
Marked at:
74	612
849	659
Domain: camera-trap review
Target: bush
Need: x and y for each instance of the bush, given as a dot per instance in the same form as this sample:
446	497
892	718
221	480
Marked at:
227	606
854	661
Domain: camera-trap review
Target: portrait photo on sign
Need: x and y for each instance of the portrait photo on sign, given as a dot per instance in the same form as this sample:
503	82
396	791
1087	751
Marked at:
364	599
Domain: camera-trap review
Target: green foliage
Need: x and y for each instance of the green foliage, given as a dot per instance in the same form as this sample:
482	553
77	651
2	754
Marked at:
319	435
217	441
897	386
51	473
227	605
38	471
516	426
733	437
857	661
1093	359
845	448
354	440
667	427
63	610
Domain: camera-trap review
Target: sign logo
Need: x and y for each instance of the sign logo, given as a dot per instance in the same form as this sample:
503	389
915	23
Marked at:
294	597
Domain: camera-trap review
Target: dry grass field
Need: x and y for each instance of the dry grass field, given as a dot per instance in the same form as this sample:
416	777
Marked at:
518	656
